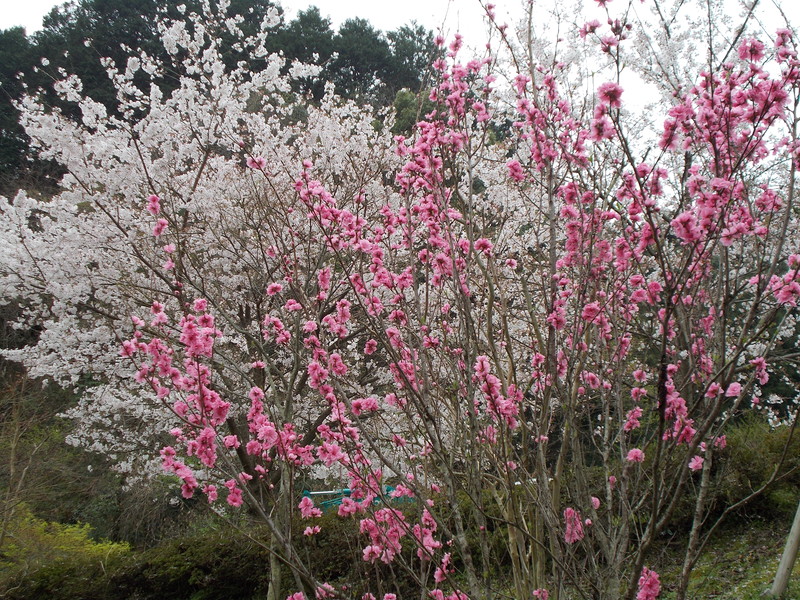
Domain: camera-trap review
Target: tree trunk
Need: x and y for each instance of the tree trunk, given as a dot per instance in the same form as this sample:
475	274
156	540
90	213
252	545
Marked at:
787	559
694	547
274	590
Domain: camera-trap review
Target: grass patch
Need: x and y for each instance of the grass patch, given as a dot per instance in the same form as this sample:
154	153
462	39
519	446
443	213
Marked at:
738	564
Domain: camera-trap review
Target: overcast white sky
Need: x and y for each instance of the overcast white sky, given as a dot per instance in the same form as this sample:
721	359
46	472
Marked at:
465	16
456	15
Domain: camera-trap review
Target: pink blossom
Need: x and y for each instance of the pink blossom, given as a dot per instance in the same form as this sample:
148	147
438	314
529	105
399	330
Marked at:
256	162
234	493
632	418
336	365
292	305
589	27
515	170
595	502
348	507
324	279
686	228
573	531
751	50
160	227
557	318
360	405
601	129
760	364
654	288
443	569
733	390
635	455
483	245
607	42
211	493
786	292
610	94
649	585
590	311
307	508
153	204
128	349
696	463
768	201
371	553
329	453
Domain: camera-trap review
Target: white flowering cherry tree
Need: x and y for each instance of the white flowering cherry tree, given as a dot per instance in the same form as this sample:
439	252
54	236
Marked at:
535	317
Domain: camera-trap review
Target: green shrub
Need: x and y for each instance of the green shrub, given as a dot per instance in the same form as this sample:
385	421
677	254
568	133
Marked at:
753	452
40	559
208	566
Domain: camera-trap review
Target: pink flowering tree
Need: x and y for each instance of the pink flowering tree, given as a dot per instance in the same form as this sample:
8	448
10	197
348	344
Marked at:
539	332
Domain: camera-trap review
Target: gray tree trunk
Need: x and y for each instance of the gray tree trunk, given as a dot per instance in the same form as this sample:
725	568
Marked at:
787	560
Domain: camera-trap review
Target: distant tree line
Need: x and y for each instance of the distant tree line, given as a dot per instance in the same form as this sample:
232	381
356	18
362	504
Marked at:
364	63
